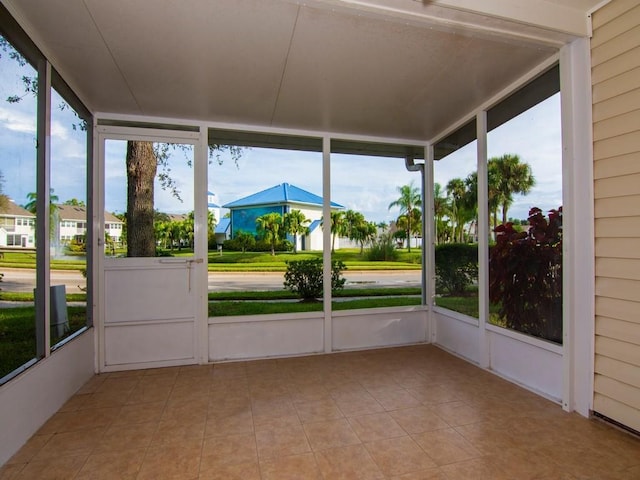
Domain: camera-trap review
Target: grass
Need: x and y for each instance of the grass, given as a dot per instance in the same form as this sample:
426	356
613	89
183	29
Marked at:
28	260
29	297
18	335
241	262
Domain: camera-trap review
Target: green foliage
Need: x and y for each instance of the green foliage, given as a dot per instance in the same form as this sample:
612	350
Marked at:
304	277
242	242
383	249
525	275
456	267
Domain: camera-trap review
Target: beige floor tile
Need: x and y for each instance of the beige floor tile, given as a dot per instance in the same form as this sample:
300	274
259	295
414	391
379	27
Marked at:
143	393
487	437
230	450
174	461
446	446
418	419
30	449
357	404
476	469
229	422
434	393
428	474
56	468
107	466
348	462
376	426
281	441
394	398
397	456
458	413
270	410
242	471
174	431
120	438
186	412
294	467
80	420
330	434
188	423
318	410
75	443
140	413
10	471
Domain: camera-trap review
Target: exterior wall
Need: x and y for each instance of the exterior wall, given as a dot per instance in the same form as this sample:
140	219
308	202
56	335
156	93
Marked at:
21	228
27	401
615	53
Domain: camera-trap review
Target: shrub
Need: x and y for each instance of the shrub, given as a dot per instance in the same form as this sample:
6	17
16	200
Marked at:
525	275
456	267
383	249
304	277
242	242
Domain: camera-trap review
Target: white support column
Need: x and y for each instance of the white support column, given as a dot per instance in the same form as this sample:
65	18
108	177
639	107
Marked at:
43	185
201	225
578	230
326	242
428	243
97	227
483	241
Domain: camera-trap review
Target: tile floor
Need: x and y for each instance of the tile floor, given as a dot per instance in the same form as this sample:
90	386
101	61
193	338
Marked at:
402	413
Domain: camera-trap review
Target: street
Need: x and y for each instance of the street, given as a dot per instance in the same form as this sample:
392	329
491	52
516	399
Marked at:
24	280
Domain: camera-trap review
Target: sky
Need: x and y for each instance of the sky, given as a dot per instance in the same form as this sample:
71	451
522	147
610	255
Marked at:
364	184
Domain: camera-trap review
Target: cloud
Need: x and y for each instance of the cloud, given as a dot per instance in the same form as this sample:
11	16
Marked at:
15	120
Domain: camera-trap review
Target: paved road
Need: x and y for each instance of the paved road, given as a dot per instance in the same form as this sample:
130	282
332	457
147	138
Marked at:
23	280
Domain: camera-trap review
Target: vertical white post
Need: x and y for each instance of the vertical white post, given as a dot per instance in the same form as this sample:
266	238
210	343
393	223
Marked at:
201	226
578	252
326	242
483	241
97	227
43	184
428	243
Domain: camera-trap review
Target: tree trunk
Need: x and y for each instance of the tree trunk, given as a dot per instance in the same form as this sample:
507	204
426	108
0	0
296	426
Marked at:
141	172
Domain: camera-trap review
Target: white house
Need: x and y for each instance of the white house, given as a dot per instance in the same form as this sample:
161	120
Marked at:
72	224
17	226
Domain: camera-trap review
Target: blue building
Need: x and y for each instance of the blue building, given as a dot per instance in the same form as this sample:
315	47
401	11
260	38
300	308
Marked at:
280	199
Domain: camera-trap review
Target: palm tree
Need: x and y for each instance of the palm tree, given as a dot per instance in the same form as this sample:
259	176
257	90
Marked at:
409	200
338	227
295	223
269	227
457	191
513	177
440	209
32	206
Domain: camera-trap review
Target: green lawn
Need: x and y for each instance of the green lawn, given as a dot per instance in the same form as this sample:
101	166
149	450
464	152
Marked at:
240	262
18	335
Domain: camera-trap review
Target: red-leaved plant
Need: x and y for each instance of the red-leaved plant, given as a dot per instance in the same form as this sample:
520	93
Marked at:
525	275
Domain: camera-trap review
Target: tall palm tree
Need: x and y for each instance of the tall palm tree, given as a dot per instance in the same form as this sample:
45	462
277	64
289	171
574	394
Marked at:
269	227
513	177
32	204
295	223
338	226
457	191
440	209
409	201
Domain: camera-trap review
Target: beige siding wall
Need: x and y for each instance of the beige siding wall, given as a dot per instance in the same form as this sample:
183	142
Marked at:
615	61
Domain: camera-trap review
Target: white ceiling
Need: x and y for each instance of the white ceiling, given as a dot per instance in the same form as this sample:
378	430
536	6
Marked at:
389	68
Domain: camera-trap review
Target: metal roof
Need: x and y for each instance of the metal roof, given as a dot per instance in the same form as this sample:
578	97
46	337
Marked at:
283	194
223	225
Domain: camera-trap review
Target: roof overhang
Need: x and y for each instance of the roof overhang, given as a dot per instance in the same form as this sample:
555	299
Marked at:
394	73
